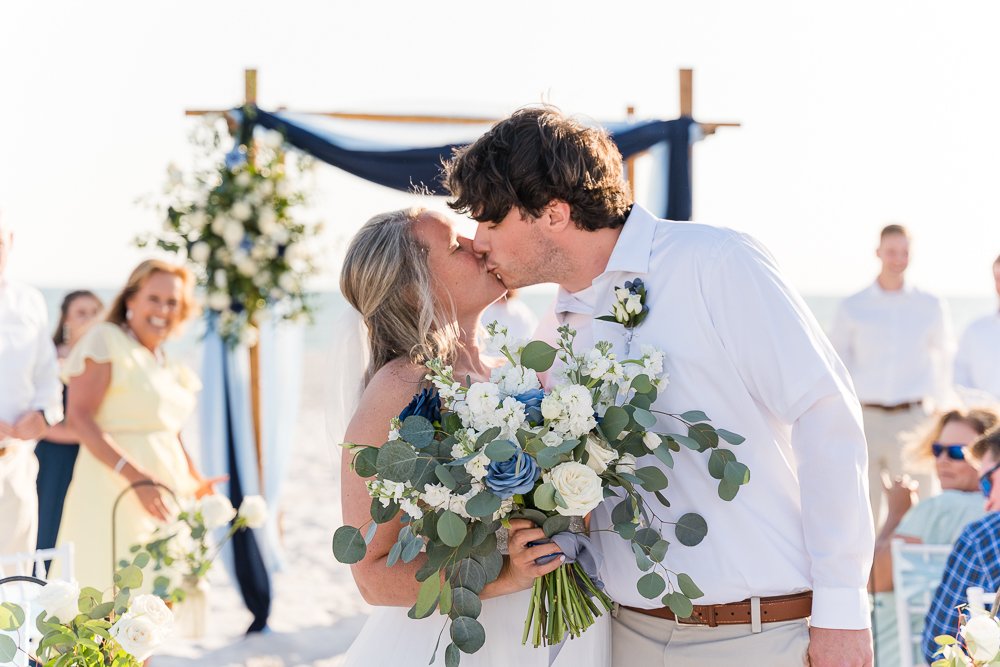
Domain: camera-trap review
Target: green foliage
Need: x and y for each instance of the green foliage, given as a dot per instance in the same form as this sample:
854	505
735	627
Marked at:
688	587
11	617
451	528
349	545
691	529
417	431
483	504
538	356
651	585
467	634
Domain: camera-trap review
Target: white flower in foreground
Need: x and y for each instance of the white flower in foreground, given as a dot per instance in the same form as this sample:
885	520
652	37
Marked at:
982	637
599	456
273	139
217	301
477	466
137	635
242	180
626	464
154	609
241	211
579	486
552	408
233	234
651	440
253	510
200	252
436	495
216	510
60	599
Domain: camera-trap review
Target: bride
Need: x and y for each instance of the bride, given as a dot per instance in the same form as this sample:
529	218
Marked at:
420	290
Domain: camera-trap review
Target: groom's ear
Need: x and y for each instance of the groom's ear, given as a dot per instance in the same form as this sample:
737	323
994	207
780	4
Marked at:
558	213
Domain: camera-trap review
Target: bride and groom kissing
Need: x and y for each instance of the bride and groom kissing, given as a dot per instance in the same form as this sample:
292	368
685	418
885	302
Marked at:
784	568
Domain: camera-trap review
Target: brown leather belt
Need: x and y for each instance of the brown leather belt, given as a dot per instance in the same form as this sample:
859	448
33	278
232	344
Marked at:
899	407
772	610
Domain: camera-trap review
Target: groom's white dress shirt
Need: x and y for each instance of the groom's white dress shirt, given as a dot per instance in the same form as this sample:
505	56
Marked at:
742	346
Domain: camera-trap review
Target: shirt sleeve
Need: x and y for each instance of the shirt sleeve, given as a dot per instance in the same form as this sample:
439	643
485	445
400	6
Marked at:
45	376
942	350
97	345
961	571
962	368
791	369
841	336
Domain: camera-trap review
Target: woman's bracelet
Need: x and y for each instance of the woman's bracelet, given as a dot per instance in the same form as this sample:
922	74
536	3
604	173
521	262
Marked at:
122	462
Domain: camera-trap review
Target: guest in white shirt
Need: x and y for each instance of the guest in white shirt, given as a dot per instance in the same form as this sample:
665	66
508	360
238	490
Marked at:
741	345
30	400
977	363
513	313
896	343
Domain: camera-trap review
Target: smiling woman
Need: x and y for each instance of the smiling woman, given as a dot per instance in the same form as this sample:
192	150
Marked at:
127	403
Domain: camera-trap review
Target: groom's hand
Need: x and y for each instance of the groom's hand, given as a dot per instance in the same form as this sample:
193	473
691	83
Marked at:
521	567
840	648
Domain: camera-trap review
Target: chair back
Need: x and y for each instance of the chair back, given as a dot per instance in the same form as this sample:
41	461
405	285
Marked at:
916	575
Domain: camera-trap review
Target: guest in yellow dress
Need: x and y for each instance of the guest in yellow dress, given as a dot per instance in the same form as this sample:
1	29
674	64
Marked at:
127	404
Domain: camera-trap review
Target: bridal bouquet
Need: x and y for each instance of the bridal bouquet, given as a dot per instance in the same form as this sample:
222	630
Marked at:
464	459
80	629
979	644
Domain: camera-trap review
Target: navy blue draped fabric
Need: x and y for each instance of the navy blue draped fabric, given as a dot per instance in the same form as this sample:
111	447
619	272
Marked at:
411	168
248	562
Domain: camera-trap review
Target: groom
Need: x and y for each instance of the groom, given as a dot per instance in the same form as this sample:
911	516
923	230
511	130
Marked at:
784	565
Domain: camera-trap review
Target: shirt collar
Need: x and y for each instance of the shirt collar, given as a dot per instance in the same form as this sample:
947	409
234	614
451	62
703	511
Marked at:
630	255
877	289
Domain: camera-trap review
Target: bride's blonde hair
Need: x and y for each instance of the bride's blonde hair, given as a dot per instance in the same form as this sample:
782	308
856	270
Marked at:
387	280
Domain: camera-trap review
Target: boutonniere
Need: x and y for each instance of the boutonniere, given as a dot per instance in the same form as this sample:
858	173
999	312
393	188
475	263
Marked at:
629	308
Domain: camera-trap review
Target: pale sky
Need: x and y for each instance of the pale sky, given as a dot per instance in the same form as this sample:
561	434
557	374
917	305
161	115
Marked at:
855	114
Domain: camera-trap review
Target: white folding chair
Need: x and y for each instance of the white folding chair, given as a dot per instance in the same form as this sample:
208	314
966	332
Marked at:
33	564
916	574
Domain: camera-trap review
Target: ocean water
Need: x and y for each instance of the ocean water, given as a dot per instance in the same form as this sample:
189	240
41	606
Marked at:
330	306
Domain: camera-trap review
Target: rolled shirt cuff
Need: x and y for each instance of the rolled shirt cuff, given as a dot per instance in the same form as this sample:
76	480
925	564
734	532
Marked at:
840	609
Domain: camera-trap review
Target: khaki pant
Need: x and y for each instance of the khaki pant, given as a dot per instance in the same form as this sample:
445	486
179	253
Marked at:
638	640
887	433
18	499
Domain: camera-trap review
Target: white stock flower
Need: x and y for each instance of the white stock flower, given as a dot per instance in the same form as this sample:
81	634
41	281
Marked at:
60	599
982	637
579	486
233	234
599	456
552	439
596	364
218	300
514	380
626	464
411	508
219	224
243	180
476	466
152	608
288	282
436	495
253	510
200	252
246	266
651	440
137	635
216	510
241	211
197	220
267	221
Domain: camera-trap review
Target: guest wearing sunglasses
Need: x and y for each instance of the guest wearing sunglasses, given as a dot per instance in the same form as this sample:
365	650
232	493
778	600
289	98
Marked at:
975	558
937	520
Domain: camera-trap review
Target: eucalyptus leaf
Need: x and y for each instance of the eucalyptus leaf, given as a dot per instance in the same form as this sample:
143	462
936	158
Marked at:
688	442
383	514
644	418
646	537
427	597
488	436
417	430
483	504
349	545
651	585
481	530
691	529
397	461
642	384
500	450
614	422
705	435
129	577
694	416
545	497
658	551
451	529
549	457
394	553
465	603
445	477
555	524
485	548
467	633
663	453
11	617
717	461
370	533
730	437
736	473
102	610
536	517
445	599
141	560
641	559
8	650
491	562
452	655
538	356
688	587
468	573
625	530
679	604
365	462
412	548
652	478
728	491
623	512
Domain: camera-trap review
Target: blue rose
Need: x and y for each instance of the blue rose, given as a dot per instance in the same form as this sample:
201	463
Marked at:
515	475
426	404
532	401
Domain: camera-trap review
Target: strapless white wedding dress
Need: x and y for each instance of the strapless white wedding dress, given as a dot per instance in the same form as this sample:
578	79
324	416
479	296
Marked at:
391	639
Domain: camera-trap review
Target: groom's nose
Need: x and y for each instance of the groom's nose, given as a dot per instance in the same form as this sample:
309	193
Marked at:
480	242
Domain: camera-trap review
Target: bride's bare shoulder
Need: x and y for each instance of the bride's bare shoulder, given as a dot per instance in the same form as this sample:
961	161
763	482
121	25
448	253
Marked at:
394	384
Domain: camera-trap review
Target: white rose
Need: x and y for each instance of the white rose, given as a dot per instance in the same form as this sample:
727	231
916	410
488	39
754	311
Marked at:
651	440
218	301
152	608
579	486
219	225
599	456
982	636
552	407
241	210
634	304
622	294
137	635
60	599
200	252
626	464
267	221
288	282
233	234
246	266
253	510
243	180
216	510
197	220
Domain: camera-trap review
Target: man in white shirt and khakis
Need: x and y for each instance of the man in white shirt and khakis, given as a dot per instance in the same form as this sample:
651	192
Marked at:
895	340
30	400
977	362
784	566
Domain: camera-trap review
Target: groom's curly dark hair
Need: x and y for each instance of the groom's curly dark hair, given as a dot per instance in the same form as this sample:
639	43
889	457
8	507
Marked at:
533	157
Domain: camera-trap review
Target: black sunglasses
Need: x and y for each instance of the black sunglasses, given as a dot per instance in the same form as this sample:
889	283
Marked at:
955	452
986	480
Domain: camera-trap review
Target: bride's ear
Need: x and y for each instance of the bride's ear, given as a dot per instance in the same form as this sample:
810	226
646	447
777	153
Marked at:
558	213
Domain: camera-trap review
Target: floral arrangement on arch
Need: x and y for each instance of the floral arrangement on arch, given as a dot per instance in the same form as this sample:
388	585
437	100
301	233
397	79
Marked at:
236	219
977	642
